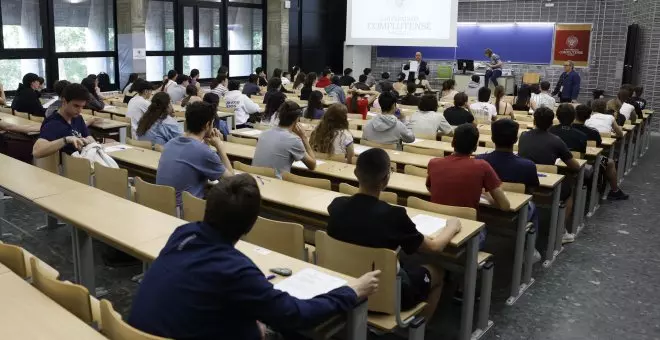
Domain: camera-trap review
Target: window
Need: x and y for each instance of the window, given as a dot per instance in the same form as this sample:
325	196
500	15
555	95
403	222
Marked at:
209	27
13	70
188	27
245	28
158	66
207	65
77	69
244	65
21	24
160	26
247	1
84	26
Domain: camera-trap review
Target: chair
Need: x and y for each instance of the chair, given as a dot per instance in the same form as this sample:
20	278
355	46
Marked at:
116	329
445	72
354	116
591	143
426	136
36	119
157	197
113	181
262	126
158	148
193	207
282	237
415	171
385	196
77	169
13	258
606	134
531	78
577	155
74	298
548	169
461	212
329	157
308	181
513	187
139	144
255	170
49	163
378	145
447	139
102	115
244	141
129	132
424	151
350	259
88	112
22	114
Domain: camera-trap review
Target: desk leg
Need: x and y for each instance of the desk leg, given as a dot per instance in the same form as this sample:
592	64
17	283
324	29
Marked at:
527	278
356	324
577	201
469	287
554	221
83	259
516	288
3	199
640	140
630	150
122	135
51	223
607	185
561	228
621	166
594	197
483	322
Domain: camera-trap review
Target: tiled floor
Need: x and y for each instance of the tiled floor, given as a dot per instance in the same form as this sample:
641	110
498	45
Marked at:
605	286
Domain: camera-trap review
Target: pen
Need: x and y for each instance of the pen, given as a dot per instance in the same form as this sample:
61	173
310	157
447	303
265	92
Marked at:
543	175
373	266
260	180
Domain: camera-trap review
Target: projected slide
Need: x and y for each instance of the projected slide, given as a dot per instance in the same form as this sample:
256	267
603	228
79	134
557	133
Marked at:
402	22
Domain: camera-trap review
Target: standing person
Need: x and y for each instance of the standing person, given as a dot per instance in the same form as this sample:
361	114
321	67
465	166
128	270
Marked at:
448	90
194	78
427	121
243	106
503	107
131	79
544	99
347	79
459	114
335	91
568	86
483	111
219	86
386	128
27	96
139	104
263	79
325	79
331	135
170	80
308	86
59	87
251	88
158	125
187	163
494	67
192	95
314	108
94	102
371	81
473	86
359	103
178	91
422	67
280	146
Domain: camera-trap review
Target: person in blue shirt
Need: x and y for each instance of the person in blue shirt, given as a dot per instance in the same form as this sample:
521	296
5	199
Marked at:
568	86
158	124
202	287
65	130
187	162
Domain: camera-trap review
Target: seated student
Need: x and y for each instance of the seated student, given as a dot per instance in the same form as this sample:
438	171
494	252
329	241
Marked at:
65	130
385	80
284	144
263	79
608	166
544	99
325	79
503	107
637	97
27	96
95	102
428	121
371	81
385	128
483	111
299	82
286	78
271	115
575	140
347	79
274	86
473	86
308	86
524	99
219	85
629	99
335	91
243	106
361	84
400	84
170	80
59	87
410	98
218	123
214	291
191	95
601	121
194	78
158	125
360	101
423	83
187	163
178	91
459	114
251	88
364	220
139	104
331	136
314	108
448	91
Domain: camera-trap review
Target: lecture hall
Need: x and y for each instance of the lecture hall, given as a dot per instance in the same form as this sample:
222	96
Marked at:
329	169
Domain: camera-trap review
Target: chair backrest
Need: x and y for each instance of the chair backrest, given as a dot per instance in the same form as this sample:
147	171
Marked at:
577	155
282	237
50	163
415	171
523	117
548	169
353	260
513	187
426	136
386	196
116	329
424	151
36	118
531	78
462	212
606	134
308	181
22	114
244	141
139	143
13	258
102	115
110	180
255	170
329	157
193	207
354	116
378	145
74	298
157	197
77	169
591	143
446	139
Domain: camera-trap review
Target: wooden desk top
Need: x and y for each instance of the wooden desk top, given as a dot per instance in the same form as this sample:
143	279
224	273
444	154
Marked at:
4	269
26	313
144	158
106	124
31	182
11	119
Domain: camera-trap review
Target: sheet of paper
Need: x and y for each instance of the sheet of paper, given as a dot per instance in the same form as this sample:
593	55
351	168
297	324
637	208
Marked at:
429	225
309	283
114	148
414	66
483	200
372	114
358	148
417	140
109	107
301	165
50	102
252	132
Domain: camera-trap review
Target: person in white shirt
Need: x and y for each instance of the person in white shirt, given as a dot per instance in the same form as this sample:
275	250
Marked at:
331	136
285	79
427	121
178	91
483	111
139	104
544	99
602	122
219	86
242	105
169	81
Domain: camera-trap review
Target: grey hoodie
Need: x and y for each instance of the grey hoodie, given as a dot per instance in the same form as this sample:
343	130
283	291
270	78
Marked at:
387	129
472	89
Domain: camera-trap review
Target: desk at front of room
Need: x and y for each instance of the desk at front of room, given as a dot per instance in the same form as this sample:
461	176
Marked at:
462	81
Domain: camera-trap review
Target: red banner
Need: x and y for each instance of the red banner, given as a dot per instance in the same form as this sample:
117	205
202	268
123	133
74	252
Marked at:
572	43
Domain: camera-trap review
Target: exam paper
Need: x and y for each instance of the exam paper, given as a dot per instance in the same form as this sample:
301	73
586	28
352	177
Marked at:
252	132
417	140
301	165
358	149
309	283
114	148
428	225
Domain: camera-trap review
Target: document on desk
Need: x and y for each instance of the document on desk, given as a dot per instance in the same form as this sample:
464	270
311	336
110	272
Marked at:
358	149
301	165
252	132
109	107
417	140
483	200
50	102
309	283
109	149
428	225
